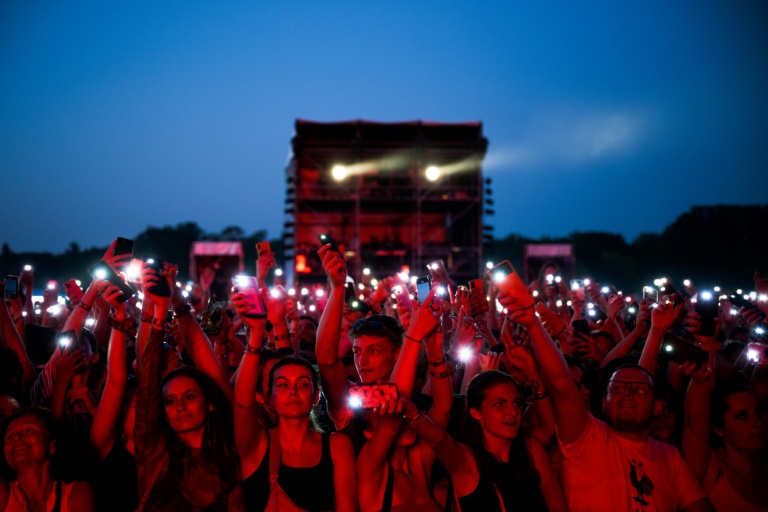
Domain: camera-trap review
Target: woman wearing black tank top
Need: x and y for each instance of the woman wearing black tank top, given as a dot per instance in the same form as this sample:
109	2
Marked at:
291	467
497	469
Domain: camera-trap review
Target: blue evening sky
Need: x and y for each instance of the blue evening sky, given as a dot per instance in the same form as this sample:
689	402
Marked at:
614	116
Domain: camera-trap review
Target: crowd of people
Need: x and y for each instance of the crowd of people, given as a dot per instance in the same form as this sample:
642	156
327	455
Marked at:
484	397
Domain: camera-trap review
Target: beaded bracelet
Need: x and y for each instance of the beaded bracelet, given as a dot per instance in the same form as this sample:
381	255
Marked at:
441	375
146	318
158	323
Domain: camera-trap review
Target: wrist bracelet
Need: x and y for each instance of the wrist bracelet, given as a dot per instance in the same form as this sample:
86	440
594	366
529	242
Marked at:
158	323
182	310
252	350
441	375
123	325
85	306
283	337
412	339
437	362
146	318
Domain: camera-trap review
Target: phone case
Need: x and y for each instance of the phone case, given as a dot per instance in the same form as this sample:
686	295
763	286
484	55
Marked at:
371	396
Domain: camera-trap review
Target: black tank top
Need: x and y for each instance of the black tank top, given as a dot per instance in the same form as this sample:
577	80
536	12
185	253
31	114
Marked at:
517	495
309	488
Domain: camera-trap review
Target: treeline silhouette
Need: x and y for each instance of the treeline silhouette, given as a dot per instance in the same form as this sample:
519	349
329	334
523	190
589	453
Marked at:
712	245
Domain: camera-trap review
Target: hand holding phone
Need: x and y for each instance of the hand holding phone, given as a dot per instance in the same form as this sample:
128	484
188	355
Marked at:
506	279
11	287
105	272
680	351
119	253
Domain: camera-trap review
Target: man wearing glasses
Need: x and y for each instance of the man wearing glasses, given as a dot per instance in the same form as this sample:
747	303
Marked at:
612	465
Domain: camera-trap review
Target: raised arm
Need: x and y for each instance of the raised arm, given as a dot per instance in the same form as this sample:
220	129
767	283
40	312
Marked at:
663	317
105	422
250	437
199	347
10	338
332	374
570	412
424	321
641	329
149	443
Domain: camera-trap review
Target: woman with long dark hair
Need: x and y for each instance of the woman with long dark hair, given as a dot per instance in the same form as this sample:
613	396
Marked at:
184	440
494	468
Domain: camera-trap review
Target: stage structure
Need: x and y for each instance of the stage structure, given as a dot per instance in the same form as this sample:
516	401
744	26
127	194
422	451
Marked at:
393	194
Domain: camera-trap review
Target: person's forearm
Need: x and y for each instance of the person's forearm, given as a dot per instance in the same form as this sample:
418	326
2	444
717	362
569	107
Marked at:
282	335
442	391
404	372
101	329
248	372
624	346
471	369
554	369
76	319
104	427
329	328
650	355
612	327
201	352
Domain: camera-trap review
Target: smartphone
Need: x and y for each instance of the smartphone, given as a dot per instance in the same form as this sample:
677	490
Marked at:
263	248
707	307
371	396
103	271
359	306
551	318
68	341
506	279
11	287
243	282
161	289
756	353
478	304
680	351
123	246
325	239
423	286
438	272
741	302
581	326
214	312
577	284
649	292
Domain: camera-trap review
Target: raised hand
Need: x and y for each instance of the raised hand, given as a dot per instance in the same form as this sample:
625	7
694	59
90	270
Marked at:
334	265
664	315
117	262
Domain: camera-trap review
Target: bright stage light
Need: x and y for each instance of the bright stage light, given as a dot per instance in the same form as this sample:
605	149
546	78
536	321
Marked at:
432	173
339	172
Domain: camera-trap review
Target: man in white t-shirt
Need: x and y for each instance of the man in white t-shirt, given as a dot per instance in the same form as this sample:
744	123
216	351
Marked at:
614	466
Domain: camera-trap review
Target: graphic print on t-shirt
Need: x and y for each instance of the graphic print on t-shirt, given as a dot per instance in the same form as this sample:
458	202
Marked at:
643	485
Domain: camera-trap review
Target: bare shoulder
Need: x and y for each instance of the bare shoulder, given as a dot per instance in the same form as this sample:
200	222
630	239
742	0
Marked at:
81	497
341	445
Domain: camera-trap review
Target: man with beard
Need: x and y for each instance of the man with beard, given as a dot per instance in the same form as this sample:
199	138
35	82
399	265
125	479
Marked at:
613	466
